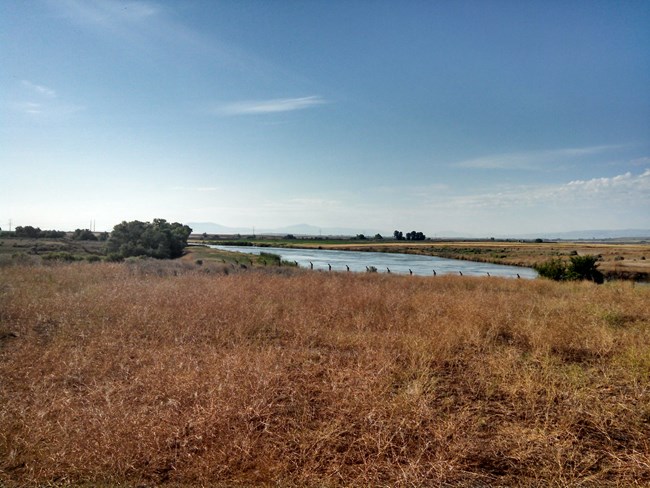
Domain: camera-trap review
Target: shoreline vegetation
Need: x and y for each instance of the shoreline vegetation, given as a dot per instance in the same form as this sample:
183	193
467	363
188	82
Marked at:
616	260
628	260
197	371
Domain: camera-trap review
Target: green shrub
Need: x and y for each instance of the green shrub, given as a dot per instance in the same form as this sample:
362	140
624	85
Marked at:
578	268
114	257
84	235
584	268
158	239
554	269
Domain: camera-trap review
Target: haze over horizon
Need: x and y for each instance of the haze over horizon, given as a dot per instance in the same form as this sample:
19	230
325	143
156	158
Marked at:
488	118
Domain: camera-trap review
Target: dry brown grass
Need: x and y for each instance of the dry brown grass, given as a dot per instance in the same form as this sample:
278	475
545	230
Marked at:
160	372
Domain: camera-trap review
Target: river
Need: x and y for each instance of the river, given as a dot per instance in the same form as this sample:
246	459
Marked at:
323	259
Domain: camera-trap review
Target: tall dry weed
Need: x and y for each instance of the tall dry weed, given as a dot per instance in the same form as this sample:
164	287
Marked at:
154	372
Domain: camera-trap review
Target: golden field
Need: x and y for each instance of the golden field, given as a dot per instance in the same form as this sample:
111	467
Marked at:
143	373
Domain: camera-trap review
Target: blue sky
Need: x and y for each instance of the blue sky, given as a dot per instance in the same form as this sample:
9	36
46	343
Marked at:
479	117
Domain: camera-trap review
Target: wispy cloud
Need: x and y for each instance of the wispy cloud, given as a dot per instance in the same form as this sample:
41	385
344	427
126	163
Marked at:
275	105
533	160
37	100
39	89
107	13
199	189
625	189
149	28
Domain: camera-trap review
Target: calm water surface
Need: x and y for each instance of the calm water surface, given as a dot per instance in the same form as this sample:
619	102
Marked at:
322	259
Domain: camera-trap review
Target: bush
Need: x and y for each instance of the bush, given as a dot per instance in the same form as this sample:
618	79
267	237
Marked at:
578	268
114	257
52	234
84	235
584	268
555	269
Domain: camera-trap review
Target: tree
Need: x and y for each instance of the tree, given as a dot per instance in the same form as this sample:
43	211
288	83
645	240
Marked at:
28	231
415	236
84	235
158	239
378	237
398	235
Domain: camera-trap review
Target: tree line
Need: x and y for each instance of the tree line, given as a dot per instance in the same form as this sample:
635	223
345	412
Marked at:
410	236
158	239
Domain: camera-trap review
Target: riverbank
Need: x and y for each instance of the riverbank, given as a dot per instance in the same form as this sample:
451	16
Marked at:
628	261
151	372
616	261
349	260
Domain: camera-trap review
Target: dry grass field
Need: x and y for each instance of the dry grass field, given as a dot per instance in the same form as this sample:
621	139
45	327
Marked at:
143	373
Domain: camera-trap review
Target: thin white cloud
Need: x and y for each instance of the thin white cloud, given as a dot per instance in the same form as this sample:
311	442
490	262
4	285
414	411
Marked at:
276	105
29	108
107	13
147	27
413	190
201	189
39	89
36	100
45	110
533	160
641	161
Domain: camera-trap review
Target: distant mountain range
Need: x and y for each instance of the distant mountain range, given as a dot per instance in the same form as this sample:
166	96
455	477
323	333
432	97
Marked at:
311	230
590	234
298	229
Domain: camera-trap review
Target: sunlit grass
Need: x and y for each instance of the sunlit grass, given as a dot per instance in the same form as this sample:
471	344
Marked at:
147	372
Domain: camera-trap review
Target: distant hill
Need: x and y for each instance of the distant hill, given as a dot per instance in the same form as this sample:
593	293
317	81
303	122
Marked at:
591	234
297	229
312	230
212	228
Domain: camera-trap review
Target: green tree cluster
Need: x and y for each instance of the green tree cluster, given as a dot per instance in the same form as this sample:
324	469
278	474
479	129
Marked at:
84	235
578	268
158	239
415	236
410	236
37	233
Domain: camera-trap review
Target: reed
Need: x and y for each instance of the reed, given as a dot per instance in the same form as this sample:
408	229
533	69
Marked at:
152	372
